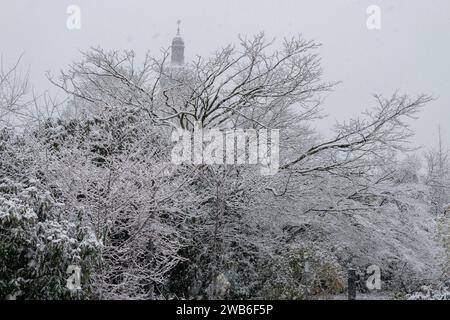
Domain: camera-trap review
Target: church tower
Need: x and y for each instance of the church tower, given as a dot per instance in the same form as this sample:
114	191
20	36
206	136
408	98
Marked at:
177	58
175	72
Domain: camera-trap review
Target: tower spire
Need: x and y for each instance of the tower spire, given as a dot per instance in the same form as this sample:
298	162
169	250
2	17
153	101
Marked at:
177	48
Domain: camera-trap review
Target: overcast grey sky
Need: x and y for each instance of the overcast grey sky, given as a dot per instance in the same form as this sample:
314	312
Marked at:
410	53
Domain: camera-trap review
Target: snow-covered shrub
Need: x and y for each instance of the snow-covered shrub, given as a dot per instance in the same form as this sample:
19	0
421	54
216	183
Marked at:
444	236
430	293
220	287
38	237
304	273
37	245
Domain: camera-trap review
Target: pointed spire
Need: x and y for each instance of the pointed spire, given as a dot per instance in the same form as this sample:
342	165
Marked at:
178	29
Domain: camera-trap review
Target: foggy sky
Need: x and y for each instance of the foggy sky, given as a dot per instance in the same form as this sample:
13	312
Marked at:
411	53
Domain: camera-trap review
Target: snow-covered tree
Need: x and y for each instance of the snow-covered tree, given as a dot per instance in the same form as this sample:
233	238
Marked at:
97	187
39	240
